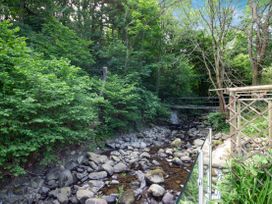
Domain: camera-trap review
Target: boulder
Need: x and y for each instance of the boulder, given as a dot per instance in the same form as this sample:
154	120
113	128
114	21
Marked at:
83	194
98	175
62	194
96	201
127	197
198	142
145	155
111	199
168	198
176	143
96	185
155	176
98	159
177	161
108	168
120	167
156	190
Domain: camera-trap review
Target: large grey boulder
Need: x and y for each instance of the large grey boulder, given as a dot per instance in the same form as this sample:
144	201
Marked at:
96	185
156	190
108	168
96	201
98	159
62	194
168	198
176	143
127	197
84	194
120	167
98	175
155	176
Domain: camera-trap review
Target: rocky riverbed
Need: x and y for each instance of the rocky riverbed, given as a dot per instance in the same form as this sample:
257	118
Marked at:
146	167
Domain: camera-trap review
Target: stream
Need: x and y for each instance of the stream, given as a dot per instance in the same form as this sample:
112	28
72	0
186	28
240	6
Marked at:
150	166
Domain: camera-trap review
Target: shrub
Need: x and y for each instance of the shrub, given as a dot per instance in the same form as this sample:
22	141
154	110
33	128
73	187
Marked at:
249	181
57	40
43	102
124	104
218	121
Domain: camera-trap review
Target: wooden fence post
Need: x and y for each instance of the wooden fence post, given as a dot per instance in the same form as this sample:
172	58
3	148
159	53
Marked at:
238	132
232	119
270	122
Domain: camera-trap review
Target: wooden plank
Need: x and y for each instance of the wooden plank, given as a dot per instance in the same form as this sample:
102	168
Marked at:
250	88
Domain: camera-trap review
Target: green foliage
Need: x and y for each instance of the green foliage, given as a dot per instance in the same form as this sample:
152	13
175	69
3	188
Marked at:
267	75
57	40
177	77
218	121
124	105
249	181
43	102
258	128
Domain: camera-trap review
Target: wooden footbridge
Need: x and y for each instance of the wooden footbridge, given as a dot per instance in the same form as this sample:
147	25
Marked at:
194	103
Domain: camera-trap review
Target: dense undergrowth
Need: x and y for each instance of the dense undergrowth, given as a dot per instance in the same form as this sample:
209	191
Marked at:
45	102
249	181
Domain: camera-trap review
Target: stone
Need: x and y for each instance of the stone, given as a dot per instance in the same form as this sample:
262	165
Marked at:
120	167
53	174
198	142
176	143
127	197
156	190
114	182
111	199
156	163
108	168
93	165
177	161
71	165
96	185
98	159
44	190
168	198
115	158
169	151
96	201
185	158
98	175
84	194
62	194
66	178
145	155
81	176
155	176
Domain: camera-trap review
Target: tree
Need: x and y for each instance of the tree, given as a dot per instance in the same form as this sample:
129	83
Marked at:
214	21
259	34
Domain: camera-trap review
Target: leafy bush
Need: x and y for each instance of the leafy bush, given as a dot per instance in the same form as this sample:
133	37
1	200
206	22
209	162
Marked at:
49	102
177	77
124	104
267	75
57	40
249	181
43	102
218	121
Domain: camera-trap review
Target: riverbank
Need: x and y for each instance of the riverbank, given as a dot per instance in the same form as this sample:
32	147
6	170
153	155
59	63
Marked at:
145	167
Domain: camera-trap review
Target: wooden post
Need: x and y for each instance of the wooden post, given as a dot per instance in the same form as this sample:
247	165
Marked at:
270	122
232	121
238	141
